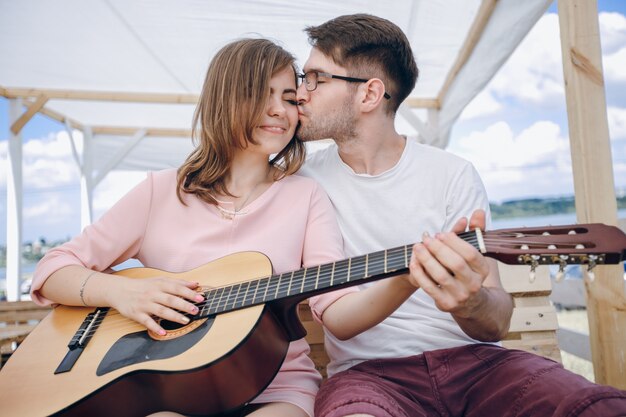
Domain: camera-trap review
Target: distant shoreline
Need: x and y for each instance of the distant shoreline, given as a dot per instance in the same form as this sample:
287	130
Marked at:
535	207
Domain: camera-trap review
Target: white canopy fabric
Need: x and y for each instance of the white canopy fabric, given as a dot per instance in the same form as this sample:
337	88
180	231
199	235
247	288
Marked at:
160	46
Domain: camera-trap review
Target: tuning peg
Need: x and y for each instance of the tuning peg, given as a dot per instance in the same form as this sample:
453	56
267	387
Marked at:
592	264
533	269
560	274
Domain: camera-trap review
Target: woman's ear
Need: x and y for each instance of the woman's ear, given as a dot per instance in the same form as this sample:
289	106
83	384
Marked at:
374	94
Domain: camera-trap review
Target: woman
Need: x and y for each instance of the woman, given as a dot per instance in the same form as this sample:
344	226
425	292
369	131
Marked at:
225	198
229	196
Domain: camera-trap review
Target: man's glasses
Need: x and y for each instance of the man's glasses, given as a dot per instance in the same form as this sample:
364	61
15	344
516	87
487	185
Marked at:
310	80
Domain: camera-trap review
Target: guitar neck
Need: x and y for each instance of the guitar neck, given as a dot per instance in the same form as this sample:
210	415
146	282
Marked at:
589	244
307	282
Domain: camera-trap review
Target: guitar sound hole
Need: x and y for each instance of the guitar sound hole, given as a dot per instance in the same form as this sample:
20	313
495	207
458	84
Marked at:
170	325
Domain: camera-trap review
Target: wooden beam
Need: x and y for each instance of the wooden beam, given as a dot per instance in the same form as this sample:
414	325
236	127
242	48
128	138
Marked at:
116	130
28	114
129	131
476	31
425	103
593	180
101	95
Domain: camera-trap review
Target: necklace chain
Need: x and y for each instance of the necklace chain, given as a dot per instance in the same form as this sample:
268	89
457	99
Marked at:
230	214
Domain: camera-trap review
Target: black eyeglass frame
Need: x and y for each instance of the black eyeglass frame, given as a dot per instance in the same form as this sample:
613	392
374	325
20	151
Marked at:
328	75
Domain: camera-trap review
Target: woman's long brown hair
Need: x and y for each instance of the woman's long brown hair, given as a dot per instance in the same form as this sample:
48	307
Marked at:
232	103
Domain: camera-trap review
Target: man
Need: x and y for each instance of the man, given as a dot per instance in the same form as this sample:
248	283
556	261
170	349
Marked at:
429	357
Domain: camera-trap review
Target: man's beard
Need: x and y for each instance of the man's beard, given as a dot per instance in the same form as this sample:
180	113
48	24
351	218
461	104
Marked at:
340	125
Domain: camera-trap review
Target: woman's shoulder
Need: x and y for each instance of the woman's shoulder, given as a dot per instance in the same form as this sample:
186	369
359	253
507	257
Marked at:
165	175
297	181
163	180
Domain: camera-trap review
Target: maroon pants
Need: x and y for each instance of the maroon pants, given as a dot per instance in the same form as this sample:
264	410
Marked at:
470	381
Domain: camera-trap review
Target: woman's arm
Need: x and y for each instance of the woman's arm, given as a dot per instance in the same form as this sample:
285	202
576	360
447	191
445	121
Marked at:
358	311
137	299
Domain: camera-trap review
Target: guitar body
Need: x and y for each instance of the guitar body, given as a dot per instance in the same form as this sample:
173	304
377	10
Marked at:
205	368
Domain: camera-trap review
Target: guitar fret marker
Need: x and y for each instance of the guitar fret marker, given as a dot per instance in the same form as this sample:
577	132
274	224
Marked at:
385	261
230	290
317	277
214	297
303	279
278	285
481	241
290	282
406	255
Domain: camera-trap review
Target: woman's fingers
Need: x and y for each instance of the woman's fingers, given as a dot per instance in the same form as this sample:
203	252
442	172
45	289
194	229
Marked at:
165	298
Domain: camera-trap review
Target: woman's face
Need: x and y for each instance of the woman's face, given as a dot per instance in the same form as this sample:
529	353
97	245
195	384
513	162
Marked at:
280	118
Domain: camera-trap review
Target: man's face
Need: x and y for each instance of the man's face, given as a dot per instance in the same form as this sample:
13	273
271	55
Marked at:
329	110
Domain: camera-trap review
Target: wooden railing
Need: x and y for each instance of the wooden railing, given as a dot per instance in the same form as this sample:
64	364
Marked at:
17	319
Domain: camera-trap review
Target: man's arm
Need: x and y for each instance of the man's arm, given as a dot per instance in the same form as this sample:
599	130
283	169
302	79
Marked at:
463	282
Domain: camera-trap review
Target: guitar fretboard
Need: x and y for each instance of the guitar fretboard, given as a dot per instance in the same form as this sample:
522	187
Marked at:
307	282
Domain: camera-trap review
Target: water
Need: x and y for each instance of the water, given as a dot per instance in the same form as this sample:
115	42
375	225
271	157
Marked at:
27	270
549	220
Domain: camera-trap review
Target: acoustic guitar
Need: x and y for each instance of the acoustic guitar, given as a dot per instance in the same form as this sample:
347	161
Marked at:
95	362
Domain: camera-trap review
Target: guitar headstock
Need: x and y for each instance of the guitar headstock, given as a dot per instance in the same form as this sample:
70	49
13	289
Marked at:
586	244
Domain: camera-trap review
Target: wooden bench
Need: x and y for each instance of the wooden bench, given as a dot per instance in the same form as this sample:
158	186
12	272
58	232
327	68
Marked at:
17	319
533	325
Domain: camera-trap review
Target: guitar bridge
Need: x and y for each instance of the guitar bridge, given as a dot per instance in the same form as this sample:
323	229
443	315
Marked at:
81	338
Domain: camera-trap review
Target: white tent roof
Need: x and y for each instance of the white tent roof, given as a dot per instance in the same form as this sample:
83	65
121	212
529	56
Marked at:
158	51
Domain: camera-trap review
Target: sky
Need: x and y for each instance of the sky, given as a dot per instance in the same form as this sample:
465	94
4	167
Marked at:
514	132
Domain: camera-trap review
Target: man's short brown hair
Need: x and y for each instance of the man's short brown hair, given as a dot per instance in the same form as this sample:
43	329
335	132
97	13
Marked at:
369	46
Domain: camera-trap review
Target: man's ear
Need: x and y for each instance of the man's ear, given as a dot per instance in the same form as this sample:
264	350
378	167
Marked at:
373	94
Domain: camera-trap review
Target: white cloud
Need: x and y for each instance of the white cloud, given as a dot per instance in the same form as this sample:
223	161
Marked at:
614	65
46	162
612	31
617	123
535	162
49	211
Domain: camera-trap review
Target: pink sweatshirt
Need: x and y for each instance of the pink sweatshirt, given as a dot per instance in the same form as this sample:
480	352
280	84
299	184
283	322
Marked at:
293	223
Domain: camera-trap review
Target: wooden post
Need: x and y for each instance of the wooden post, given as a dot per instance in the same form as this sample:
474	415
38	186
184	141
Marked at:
14	205
593	180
